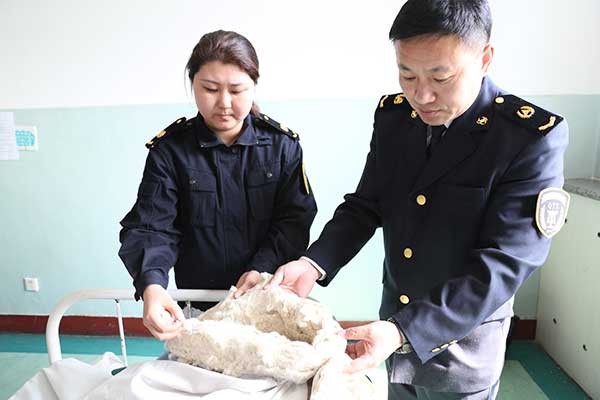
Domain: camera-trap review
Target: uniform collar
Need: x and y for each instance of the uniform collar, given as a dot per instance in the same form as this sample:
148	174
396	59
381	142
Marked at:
479	115
459	140
207	138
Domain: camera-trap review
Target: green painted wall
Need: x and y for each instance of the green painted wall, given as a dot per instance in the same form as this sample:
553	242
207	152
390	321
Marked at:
60	207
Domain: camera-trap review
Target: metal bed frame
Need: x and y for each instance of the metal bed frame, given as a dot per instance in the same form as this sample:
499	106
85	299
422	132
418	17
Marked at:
52	327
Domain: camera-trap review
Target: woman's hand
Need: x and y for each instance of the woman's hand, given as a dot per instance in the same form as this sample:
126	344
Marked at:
162	315
246	282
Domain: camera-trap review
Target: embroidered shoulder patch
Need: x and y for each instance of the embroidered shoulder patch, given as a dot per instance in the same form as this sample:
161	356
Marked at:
168	130
551	210
527	114
390	101
270	122
305	180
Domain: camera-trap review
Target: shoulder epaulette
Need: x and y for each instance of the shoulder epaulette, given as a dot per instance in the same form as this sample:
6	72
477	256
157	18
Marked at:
391	101
527	114
270	122
175	126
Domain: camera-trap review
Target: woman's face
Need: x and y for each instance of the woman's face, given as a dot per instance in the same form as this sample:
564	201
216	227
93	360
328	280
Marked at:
224	94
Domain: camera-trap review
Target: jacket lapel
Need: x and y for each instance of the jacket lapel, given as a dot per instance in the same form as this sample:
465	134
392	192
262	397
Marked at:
414	147
458	142
455	147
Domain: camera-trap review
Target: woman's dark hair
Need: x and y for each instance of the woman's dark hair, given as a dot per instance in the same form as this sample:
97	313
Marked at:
229	48
470	20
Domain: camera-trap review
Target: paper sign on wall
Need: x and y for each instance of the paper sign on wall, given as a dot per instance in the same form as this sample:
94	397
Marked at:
27	138
8	141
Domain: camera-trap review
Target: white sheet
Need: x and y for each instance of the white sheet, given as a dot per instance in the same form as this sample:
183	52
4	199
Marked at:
71	379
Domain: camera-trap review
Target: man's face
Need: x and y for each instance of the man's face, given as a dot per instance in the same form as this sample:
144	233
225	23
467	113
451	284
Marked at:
440	75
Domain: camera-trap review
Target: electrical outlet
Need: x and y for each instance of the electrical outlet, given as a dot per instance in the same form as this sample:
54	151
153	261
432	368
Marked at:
31	284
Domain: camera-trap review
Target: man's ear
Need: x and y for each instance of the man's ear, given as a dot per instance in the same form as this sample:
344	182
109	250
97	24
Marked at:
487	56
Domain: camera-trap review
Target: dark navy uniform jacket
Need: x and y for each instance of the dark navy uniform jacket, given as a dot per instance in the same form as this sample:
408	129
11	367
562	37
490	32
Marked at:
214	212
459	229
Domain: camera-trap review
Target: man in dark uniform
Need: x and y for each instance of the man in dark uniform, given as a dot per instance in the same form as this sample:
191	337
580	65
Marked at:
456	170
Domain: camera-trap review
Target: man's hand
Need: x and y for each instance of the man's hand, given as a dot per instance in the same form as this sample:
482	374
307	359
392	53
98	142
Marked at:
296	276
162	316
246	282
376	341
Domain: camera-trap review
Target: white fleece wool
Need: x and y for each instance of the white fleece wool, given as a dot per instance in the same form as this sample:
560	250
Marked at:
270	333
331	383
265	332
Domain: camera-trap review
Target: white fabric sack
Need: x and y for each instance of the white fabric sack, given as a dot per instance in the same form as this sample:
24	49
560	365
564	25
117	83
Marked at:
71	379
162	379
68	379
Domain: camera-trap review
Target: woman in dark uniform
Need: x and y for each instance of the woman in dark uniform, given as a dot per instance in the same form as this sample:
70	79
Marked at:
223	195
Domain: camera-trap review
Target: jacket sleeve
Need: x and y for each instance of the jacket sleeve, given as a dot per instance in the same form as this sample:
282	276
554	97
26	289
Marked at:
353	224
509	249
149	238
294	211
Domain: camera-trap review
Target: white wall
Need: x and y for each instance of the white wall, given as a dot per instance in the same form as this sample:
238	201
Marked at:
568	315
332	56
65	53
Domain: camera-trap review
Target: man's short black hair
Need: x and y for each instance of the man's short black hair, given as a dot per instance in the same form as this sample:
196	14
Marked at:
470	20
